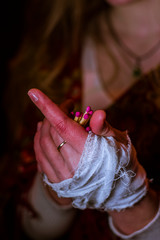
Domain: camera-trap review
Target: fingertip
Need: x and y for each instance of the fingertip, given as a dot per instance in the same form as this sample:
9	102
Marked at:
33	94
34	90
98	122
98	117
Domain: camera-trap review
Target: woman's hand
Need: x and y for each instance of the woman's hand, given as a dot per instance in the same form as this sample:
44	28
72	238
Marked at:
58	166
66	107
57	127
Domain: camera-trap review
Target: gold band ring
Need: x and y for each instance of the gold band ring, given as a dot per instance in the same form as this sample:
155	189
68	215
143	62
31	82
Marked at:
60	145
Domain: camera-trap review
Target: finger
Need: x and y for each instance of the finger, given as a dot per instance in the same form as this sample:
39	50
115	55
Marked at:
39	125
69	154
100	126
48	147
68	129
41	159
55	158
39	168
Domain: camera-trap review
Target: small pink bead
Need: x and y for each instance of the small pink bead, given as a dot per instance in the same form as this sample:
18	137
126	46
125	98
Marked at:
78	114
88	129
72	113
88	109
86	116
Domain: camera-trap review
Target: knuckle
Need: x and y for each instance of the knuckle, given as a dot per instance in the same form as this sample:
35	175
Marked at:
41	162
61	126
44	142
107	130
37	157
61	175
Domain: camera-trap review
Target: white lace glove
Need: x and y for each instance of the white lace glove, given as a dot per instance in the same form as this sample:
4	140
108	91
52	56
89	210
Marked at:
108	176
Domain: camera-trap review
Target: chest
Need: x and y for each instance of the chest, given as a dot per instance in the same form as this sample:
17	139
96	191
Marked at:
108	74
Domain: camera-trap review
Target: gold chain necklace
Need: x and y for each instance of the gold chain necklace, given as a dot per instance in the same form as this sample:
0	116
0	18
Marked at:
137	71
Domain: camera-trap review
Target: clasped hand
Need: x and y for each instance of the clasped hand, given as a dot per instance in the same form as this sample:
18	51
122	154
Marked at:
57	127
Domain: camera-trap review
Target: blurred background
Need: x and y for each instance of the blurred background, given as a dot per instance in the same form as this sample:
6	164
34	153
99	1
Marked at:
12	25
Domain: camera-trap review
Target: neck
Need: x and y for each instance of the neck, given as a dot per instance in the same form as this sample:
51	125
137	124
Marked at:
139	17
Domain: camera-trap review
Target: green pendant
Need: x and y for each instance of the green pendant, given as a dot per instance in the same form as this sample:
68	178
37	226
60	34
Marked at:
137	72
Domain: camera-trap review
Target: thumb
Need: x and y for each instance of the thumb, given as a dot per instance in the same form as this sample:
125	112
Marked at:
100	126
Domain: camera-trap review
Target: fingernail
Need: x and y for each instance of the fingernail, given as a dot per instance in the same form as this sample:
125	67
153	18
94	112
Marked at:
32	96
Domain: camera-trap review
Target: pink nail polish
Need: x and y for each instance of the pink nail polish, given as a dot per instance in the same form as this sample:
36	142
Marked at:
33	96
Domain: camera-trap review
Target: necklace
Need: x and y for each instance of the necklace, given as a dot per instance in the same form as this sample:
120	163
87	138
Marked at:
137	71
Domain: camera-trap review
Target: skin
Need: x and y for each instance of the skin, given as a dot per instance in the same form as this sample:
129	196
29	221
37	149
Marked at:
55	128
129	17
130	24
58	166
119	2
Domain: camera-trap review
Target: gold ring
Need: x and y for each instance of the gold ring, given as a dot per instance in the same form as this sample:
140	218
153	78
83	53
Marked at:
60	145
